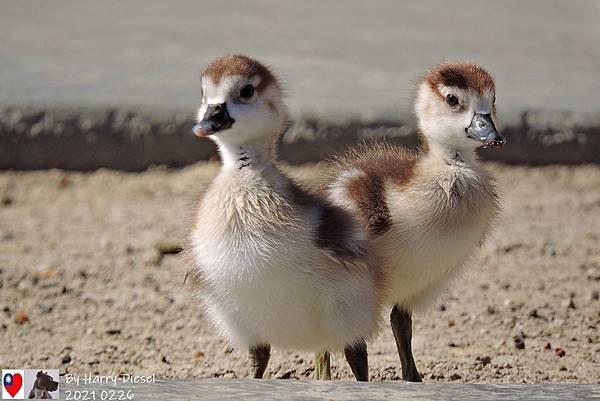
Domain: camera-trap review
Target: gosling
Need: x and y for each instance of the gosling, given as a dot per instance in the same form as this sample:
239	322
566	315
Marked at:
428	210
275	265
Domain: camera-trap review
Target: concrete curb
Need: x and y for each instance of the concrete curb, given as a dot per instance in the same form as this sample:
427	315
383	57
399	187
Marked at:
284	390
133	140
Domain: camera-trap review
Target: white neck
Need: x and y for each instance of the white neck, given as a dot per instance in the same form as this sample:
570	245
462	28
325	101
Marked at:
452	153
238	154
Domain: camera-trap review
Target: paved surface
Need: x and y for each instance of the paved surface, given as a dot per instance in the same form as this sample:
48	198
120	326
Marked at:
282	390
341	58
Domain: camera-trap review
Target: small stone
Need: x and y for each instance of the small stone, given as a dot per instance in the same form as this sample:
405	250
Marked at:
595	295
6	201
442	307
533	313
455	376
25	284
167	248
563	368
569	304
66	359
47	273
287	374
46	308
451	323
519	341
593	274
64	182
198	354
559	352
21	318
548	346
485	360
491	310
113	332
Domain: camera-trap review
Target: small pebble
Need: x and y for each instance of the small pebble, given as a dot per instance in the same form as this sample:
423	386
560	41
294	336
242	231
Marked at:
569	304
593	274
21	318
66	359
167	248
287	374
548	346
46	308
519	341
485	360
455	376
64	182
595	295
559	352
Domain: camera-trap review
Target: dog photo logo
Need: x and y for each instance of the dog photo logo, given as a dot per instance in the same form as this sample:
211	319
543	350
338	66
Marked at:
42	384
12	384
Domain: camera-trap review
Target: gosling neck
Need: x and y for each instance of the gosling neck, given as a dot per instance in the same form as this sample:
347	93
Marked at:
451	154
239	154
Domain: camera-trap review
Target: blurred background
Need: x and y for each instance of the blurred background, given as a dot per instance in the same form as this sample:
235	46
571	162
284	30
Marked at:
100	173
119	80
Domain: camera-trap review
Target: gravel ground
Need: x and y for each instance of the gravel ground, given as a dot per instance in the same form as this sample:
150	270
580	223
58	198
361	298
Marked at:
84	288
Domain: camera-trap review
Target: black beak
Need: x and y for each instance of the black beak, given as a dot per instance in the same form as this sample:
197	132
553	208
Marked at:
482	129
216	118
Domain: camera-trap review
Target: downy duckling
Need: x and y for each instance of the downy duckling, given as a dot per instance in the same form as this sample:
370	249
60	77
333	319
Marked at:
430	209
276	265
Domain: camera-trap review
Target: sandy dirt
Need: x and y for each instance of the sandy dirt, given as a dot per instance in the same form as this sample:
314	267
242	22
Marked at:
83	288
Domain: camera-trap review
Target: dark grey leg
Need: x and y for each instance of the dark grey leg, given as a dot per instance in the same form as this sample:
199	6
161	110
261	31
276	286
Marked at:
259	359
401	321
356	355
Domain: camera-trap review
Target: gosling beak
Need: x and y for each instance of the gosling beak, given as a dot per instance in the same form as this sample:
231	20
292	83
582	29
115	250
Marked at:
216	118
482	129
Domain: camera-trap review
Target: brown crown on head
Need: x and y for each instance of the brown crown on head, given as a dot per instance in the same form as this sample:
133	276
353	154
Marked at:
238	65
466	76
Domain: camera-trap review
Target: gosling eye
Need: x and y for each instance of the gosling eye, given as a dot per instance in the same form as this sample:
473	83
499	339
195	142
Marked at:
247	92
451	100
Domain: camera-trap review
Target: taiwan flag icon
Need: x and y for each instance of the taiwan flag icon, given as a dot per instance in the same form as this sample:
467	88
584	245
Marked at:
12	384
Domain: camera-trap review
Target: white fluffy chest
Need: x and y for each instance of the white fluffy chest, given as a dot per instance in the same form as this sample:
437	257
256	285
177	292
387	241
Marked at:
438	224
242	226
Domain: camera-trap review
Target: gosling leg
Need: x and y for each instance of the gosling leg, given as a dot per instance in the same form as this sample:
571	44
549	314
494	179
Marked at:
356	355
258	356
323	366
401	321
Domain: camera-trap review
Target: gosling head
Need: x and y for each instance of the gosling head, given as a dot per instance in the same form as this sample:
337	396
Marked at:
455	107
242	102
